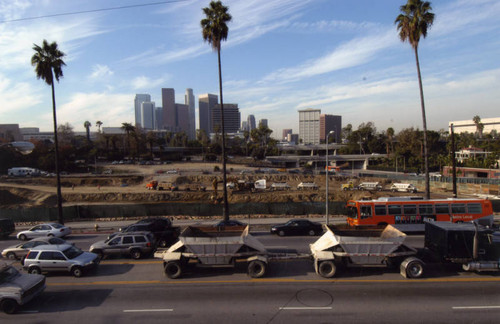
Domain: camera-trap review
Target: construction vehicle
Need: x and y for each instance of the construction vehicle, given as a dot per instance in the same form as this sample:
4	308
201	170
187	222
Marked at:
167	185
370	186
347	247
348	186
307	186
152	185
219	246
474	246
277	186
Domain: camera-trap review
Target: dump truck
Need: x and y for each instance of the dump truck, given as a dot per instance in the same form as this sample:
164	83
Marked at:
214	247
475	247
347	247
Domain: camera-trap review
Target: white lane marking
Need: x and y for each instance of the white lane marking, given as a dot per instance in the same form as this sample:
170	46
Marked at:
305	308
476	307
147	310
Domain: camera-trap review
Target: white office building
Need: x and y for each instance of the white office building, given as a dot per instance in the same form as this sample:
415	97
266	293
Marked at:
139	99
309	126
190	102
148	115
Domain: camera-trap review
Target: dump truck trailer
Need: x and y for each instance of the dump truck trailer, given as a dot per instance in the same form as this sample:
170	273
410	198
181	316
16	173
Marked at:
347	247
475	247
219	247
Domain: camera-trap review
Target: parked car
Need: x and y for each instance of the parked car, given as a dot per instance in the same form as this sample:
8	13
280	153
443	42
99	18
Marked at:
16	289
229	223
64	257
7	227
297	227
20	250
136	244
50	229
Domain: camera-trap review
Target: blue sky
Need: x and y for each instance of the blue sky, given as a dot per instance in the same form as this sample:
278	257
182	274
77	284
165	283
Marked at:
341	56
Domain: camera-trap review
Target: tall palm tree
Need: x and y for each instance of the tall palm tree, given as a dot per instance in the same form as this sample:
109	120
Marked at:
99	124
214	31
128	128
87	125
48	63
479	126
413	22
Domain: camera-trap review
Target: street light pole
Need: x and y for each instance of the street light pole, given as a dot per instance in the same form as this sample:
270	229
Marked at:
327	218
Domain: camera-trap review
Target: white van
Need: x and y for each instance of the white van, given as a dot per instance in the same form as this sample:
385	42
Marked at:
370	186
404	187
23	172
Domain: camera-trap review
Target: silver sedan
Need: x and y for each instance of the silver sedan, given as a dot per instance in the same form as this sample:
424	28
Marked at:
20	250
41	230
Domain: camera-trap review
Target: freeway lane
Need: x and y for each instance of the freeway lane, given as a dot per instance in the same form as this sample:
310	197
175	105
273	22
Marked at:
267	302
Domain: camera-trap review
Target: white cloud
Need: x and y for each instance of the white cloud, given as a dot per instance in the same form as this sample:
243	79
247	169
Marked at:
143	82
100	71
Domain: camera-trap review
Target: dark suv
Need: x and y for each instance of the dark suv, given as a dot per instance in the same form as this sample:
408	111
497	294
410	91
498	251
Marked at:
136	244
163	232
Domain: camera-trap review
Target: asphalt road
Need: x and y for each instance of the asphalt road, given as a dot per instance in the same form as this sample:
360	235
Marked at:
123	290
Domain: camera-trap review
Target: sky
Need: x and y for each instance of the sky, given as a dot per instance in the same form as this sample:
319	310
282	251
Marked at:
341	56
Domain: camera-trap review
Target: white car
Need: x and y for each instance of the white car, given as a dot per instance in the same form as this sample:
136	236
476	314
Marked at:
49	229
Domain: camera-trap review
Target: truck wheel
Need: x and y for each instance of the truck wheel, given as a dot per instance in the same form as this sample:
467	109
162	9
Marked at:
173	269
414	268
135	254
257	269
76	272
9	306
327	269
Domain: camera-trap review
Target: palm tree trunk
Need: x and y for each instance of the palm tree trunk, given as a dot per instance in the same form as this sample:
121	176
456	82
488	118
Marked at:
58	176
225	208
424	121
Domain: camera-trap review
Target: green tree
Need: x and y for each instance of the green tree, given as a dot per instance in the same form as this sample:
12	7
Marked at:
479	126
48	63
99	124
413	22
151	139
214	31
128	128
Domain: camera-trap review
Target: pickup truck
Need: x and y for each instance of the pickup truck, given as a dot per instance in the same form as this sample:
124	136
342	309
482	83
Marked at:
17	288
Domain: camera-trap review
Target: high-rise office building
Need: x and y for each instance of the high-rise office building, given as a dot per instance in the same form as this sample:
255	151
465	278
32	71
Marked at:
263	123
148	115
158	117
309	126
182	112
139	99
169	113
232	118
328	123
244	125
251	122
285	133
189	101
206	103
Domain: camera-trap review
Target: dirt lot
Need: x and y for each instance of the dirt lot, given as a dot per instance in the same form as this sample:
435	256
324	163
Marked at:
127	183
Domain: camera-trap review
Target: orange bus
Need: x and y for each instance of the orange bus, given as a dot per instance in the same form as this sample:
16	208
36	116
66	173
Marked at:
416	210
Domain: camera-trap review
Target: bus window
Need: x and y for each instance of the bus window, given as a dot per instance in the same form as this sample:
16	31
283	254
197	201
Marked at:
352	212
442	209
425	209
394	209
380	210
366	212
410	209
474	208
457	209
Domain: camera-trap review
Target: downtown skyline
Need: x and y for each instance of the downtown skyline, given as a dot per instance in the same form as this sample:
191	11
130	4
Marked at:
342	57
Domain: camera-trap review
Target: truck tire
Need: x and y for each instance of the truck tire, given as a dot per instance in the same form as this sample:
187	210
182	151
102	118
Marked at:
9	306
327	269
257	269
413	268
173	269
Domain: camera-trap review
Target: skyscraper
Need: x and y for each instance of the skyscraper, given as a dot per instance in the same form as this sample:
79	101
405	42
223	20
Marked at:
309	126
169	113
251	122
232	118
329	123
285	133
182	112
189	101
139	99
148	115
206	103
263	122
